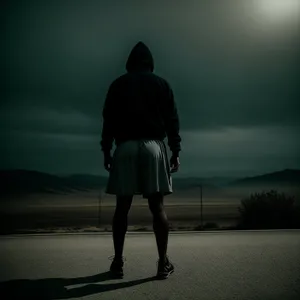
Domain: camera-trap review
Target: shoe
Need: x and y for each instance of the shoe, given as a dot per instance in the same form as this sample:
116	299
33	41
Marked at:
164	270
116	267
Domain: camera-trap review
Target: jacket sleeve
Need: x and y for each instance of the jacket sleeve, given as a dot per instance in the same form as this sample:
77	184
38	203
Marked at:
108	122
172	124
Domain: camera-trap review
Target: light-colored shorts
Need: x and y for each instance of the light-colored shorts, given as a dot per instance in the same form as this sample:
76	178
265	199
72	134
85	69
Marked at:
140	167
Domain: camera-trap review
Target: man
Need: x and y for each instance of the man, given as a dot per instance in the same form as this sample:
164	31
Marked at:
138	113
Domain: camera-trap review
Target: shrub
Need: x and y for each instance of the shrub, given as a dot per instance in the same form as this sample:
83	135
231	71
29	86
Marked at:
268	210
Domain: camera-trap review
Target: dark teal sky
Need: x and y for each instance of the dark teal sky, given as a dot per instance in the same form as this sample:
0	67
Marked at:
234	67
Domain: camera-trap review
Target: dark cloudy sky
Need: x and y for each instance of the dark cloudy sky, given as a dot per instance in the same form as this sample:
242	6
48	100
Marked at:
233	67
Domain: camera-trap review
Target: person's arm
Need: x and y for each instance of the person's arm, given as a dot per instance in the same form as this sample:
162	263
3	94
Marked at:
108	122
172	125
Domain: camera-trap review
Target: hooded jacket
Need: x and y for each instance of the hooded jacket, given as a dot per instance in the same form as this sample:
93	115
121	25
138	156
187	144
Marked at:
140	105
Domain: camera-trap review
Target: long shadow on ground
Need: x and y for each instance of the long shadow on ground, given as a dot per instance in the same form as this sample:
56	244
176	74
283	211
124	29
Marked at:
55	288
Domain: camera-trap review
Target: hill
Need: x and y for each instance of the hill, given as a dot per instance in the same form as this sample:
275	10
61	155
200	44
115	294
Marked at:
23	182
287	177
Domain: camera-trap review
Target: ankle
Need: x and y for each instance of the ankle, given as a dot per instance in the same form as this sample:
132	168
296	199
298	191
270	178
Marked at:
163	260
118	258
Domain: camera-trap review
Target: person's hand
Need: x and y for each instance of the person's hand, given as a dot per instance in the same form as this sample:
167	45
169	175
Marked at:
174	162
107	162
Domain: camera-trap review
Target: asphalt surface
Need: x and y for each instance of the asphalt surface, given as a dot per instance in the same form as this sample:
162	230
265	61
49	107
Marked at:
209	265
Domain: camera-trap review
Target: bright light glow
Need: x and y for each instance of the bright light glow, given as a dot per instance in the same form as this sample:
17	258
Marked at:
278	10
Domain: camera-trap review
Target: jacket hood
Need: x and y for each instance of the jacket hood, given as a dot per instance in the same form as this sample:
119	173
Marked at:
140	58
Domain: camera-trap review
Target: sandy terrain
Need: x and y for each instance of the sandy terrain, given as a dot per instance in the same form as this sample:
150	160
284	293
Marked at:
94	210
89	210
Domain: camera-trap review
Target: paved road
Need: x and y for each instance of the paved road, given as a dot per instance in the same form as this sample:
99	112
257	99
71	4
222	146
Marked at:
242	265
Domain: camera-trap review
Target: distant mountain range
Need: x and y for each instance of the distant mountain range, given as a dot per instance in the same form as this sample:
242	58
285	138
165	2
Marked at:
24	182
287	177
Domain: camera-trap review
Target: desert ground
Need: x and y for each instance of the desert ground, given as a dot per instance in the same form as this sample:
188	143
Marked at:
93	210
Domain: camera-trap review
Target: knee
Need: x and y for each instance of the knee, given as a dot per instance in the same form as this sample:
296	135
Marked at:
121	213
123	206
156	206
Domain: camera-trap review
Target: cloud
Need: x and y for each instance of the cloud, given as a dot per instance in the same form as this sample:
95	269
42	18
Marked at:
223	72
47	121
234	77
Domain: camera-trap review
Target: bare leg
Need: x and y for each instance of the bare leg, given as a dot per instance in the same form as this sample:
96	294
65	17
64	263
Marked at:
160	224
120	224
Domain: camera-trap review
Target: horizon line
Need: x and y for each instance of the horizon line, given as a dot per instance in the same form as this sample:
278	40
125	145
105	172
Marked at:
174	175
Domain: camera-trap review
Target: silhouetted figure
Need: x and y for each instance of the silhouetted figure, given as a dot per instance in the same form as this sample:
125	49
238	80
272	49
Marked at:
138	113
